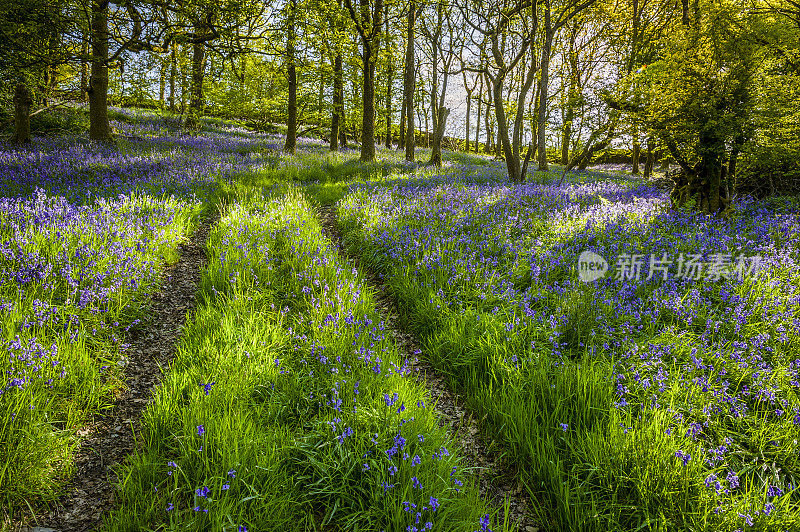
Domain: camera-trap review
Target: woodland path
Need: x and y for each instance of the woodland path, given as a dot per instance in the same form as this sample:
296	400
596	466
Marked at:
497	478
111	436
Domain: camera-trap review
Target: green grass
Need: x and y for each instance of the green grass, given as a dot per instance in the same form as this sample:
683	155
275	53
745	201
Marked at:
279	410
608	467
303	404
61	334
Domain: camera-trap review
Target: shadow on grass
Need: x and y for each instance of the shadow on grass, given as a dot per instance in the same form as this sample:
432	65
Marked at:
589	463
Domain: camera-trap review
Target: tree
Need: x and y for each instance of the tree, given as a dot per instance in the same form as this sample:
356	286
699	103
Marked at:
369	24
99	127
22	110
409	79
470	89
32	40
229	28
629	36
31	37
390	61
173	74
328	35
203	30
514	27
697	99
291	74
337	116
444	51
555	17
571	76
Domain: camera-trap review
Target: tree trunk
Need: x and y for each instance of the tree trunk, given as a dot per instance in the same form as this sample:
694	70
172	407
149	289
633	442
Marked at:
566	134
650	160
409	82
433	115
434	94
488	146
737	145
477	127
710	171
173	74
50	71
368	119
291	72
184	86
441	121
504	143
99	128
198	71
509	145
343	126
533	110
84	70
543	85
466	125
519	119
162	84
595	143
569	112
318	120
436	151
22	112
637	148
353	133
389	82
338	101
46	84
243	75
524	171
586	156
402	141
427	133
541	127
370	46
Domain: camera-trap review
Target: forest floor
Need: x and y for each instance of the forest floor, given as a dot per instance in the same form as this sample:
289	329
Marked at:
204	333
111	436
498	482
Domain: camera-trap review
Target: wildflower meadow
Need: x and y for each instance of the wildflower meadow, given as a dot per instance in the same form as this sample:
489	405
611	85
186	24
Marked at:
662	394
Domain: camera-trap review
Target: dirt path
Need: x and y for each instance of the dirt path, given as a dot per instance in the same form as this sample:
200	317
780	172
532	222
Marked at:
497	479
109	438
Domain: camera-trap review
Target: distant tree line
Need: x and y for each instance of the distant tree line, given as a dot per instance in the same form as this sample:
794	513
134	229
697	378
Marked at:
712	85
